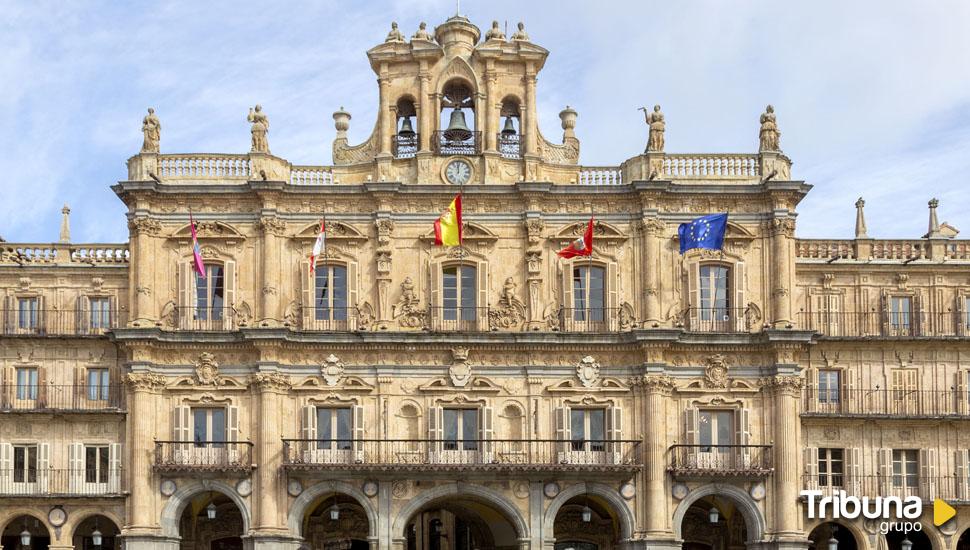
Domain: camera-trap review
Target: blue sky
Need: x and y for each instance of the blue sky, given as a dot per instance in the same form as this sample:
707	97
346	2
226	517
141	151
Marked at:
872	97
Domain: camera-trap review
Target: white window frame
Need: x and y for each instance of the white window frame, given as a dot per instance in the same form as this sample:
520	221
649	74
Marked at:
98	385
29	389
328	311
99	313
585	443
827	462
905	460
827	395
463	311
581	275
28	319
901	319
715	313
208	312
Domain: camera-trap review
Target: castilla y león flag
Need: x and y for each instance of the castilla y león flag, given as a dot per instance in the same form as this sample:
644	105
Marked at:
447	228
582	246
197	262
319	246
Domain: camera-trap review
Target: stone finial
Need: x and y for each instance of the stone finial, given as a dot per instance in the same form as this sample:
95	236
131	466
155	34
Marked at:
422	33
520	35
341	121
152	130
494	33
395	34
568	118
770	136
655	121
934	227
65	224
860	220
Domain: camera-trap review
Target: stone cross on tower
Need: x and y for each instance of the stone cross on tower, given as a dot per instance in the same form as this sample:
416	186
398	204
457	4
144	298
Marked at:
65	224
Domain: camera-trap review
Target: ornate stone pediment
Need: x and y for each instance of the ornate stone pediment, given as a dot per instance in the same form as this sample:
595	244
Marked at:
471	233
602	232
573	385
588	371
348	384
336	232
214	230
460	371
475	384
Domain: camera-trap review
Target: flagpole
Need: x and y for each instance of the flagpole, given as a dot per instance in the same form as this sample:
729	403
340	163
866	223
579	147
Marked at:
589	267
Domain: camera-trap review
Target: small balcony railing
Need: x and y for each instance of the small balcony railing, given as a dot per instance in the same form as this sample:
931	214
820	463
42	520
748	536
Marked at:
719	319
950	488
719	460
203	456
602	319
459	319
33	482
405	147
46	397
330	319
470	146
206	318
61	322
444	454
510	145
886	324
888	403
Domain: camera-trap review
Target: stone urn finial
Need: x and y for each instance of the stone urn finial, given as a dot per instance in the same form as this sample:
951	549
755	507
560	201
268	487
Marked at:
341	121
568	118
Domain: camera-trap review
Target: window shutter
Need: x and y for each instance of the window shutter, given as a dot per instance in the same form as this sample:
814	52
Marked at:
80	393
182	424
487	433
742	434
854	471
9	387
6	464
358	433
927	473
885	470
962	474
850	401
740	303
82	315
811	389
962	315
306	284
232	423
568	300
309	426
481	302
9	303
229	304
917	317
353	303
884	301
563	432
614	432
185	297
435	432
75	456
42	316
693	300
691	429
835	315
43	466
114	468
42	385
810	459
612	291
114	317
434	283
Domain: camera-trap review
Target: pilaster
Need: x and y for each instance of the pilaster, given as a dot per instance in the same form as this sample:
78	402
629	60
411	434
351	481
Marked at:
272	386
786	390
782	263
657	389
140	434
273	228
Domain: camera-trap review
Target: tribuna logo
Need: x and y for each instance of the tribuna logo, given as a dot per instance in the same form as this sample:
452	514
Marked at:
841	505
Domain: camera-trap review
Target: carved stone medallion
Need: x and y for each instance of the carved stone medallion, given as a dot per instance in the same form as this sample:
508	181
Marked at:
206	369
460	371
715	374
588	371
332	370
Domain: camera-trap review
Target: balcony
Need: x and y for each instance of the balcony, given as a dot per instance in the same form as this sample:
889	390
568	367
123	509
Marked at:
330	319
445	146
951	488
510	145
203	456
49	398
61	322
882	324
459	319
594	320
30	482
718	319
483	455
406	146
706	461
885	403
206	319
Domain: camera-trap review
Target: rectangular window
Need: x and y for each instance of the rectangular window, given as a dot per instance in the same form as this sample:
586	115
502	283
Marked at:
209	427
831	467
330	299
588	429
460	429
900	314
716	429
905	384
334	428
459	290
829	385
905	468
27	383
96	463
27	313
588	293
98	380
209	294
25	464
100	313
715	302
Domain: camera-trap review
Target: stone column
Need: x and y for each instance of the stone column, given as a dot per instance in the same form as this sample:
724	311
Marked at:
272	386
273	228
782	267
528	113
425	110
787	449
386	127
142	229
140	448
657	388
491	142
653	233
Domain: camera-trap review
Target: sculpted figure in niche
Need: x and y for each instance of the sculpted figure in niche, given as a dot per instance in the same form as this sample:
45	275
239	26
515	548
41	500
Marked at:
494	33
409	299
395	34
655	121
422	33
520	34
152	128
770	135
260	128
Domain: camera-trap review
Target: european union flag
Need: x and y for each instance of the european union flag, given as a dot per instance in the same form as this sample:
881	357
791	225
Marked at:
704	232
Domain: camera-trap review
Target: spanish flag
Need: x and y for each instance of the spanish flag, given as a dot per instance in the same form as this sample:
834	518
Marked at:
447	228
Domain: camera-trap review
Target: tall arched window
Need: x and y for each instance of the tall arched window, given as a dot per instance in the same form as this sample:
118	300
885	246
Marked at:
210	292
589	297
715	298
330	293
458	294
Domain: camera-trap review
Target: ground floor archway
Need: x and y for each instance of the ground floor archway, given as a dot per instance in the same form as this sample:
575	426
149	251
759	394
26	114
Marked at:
964	542
211	521
97	532
894	540
460	517
25	528
334	521
718	517
822	534
586	522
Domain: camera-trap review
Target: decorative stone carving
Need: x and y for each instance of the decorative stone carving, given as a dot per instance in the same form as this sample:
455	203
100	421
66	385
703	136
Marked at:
551	489
658	383
400	489
272	225
422	33
655	121
243	314
332	370
783	227
554	153
588	371
752	316
510	311
385	227
271	380
25	283
533	261
244	487
352	154
260	127
97	283
167	487
365	316
294	488
395	34
459	371
520	34
784	384
716	372
291	315
206	369
144	381
144	226
534	227
679	491
494	33
407	309
628	491
151	127
769	131
369	488
626	317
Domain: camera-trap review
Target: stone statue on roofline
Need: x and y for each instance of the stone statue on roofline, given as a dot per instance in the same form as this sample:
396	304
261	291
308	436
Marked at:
395	34
259	130
422	33
655	121
769	134
494	33
152	129
520	35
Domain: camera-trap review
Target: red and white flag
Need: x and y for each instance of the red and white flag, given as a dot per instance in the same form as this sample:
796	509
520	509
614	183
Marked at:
320	246
583	246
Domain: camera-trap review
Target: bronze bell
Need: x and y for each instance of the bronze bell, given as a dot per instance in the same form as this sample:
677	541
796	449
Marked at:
457	129
509	129
406	131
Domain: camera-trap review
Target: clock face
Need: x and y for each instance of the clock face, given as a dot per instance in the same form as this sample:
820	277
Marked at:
458	172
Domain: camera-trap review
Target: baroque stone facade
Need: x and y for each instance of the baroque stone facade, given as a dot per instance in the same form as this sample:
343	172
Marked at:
406	396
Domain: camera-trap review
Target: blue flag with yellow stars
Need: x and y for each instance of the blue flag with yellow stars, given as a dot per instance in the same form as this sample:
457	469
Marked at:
704	232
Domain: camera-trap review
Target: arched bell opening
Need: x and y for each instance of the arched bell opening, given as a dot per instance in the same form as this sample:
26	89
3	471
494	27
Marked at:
211	521
25	532
335	521
406	137
510	137
458	121
586	522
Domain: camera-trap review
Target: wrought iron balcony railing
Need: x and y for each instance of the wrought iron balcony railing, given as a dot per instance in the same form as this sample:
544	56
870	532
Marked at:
950	488
33	482
445	146
405	147
720	319
510	145
899	403
41	397
887	324
719	460
330	319
61	322
206	318
604	319
459	319
203	456
444	454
